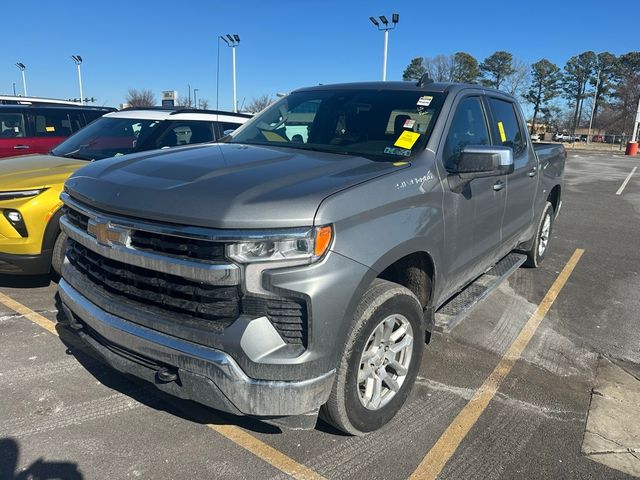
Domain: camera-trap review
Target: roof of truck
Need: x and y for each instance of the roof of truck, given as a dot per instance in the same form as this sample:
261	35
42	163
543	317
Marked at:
436	87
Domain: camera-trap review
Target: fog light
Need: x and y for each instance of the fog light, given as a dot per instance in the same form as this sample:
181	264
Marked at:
14	216
16	221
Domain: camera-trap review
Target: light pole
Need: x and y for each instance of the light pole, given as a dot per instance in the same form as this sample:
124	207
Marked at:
78	61
22	68
233	41
195	98
385	27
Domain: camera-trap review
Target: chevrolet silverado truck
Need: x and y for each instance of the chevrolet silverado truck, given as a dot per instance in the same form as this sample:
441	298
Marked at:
299	266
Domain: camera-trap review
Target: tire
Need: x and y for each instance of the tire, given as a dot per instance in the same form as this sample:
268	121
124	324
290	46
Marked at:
540	245
58	254
354	407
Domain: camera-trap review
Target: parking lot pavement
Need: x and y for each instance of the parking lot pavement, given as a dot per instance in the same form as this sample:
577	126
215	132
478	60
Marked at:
65	414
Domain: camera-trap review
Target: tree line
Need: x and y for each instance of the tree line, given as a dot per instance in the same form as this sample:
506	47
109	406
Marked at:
612	82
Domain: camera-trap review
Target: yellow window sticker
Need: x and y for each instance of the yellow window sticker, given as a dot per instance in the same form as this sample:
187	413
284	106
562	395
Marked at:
273	137
407	139
503	136
50	129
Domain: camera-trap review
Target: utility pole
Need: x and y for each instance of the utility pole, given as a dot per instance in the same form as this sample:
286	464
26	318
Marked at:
233	41
77	59
195	98
22	68
635	123
385	27
593	107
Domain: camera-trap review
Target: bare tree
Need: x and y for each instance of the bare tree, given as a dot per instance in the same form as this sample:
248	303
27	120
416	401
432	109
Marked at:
440	68
259	103
140	98
203	103
516	83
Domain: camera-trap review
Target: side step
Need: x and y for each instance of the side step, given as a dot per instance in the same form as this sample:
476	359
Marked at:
458	307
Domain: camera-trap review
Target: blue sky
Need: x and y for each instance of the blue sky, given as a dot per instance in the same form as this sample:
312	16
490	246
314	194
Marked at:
166	45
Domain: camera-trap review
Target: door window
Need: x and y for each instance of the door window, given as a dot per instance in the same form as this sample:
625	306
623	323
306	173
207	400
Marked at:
55	123
11	125
507	128
469	127
185	133
225	126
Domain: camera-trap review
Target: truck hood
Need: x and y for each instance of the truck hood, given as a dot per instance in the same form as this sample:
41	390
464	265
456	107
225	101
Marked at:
34	171
221	185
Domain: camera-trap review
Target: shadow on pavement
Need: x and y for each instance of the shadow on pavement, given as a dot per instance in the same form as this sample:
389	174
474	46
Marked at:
146	393
38	470
26	281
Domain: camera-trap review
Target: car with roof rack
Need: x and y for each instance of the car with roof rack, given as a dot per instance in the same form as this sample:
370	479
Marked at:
35	125
30	238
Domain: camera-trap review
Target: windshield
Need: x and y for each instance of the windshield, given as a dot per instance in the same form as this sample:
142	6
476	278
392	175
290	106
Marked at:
380	125
108	137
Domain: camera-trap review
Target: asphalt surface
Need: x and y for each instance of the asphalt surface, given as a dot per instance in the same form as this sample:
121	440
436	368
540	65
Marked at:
64	415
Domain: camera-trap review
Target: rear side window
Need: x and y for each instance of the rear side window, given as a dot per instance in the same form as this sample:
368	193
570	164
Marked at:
225	126
11	125
469	127
56	123
186	133
507	128
91	115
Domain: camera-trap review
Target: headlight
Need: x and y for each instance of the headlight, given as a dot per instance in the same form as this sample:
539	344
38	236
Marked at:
309	246
20	194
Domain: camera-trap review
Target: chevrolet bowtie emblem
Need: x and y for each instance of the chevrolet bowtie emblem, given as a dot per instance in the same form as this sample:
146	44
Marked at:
108	234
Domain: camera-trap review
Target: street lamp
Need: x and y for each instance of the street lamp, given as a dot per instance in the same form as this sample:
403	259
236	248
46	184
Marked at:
233	41
22	68
195	98
385	27
78	60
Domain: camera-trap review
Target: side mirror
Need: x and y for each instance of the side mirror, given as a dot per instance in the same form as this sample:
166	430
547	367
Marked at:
485	161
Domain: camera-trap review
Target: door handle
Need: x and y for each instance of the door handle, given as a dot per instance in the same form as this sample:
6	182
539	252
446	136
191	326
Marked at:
499	185
533	172
21	147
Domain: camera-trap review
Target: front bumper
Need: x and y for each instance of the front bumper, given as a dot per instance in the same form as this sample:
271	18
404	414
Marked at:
16	264
189	370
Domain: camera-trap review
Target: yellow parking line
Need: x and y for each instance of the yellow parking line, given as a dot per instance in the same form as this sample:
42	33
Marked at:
250	443
450	440
265	452
26	312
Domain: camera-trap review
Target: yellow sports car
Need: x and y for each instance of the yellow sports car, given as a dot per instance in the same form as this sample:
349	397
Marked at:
30	238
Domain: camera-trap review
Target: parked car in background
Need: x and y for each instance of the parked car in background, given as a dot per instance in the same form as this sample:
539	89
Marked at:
297	265
562	137
27	127
535	137
30	186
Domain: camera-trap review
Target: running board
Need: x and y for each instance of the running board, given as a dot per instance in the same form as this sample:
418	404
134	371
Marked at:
458	307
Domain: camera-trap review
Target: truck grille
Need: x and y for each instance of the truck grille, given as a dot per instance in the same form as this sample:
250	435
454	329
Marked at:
177	246
148	288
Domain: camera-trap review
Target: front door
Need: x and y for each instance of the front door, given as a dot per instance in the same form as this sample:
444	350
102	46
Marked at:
473	217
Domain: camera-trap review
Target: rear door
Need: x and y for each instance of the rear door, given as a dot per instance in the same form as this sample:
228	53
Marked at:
473	217
51	126
13	133
509	131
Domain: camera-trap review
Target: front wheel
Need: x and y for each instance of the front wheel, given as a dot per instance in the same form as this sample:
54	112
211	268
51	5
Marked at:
380	362
535	255
59	251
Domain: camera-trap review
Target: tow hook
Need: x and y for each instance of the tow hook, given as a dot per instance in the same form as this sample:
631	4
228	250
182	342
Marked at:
164	375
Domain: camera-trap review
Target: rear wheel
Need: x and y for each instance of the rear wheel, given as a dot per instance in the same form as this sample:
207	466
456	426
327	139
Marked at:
380	362
59	249
535	255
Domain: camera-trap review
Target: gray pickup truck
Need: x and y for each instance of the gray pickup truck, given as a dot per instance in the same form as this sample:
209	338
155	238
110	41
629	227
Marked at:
300	266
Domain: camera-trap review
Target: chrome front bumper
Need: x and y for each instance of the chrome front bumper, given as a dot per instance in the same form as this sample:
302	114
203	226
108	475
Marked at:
186	369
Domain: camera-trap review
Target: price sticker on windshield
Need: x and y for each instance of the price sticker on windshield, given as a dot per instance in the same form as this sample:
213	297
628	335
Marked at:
503	136
407	139
424	101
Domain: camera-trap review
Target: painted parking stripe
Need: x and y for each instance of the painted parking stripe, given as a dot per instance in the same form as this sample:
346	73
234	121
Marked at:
250	443
26	312
626	180
265	452
436	459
